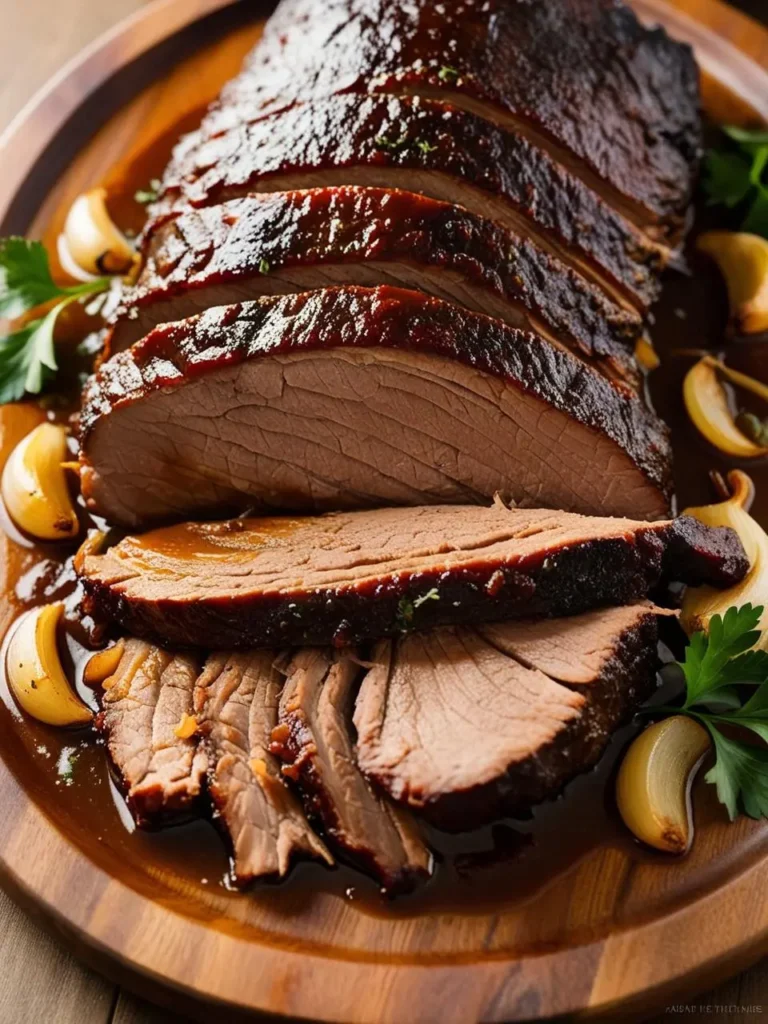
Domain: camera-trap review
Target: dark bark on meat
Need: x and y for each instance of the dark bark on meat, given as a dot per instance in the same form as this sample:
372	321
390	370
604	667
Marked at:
315	742
627	437
617	101
452	686
288	242
427	147
349	577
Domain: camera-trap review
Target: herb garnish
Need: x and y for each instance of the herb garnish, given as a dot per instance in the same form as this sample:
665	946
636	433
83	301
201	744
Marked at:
407	608
736	176
27	357
264	266
717	667
150	194
424	146
448	74
391	145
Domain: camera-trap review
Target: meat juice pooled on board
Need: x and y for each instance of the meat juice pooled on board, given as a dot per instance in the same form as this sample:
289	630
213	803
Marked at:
372	278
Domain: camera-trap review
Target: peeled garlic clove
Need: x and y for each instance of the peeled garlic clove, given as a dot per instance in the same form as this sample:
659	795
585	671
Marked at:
34	485
707	406
103	665
35	674
743	261
653	789
92	239
701	603
646	354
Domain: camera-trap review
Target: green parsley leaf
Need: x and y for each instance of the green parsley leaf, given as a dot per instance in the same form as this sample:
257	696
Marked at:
736	177
27	358
390	145
448	74
264	266
25	277
431	595
712	660
424	146
740	775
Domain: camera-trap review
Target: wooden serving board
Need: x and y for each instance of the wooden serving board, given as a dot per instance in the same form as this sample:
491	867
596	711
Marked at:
617	932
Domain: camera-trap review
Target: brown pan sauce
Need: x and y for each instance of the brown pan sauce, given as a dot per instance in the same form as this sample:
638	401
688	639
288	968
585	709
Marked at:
508	863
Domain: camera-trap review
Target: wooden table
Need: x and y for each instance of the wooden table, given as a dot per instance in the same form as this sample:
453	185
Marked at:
39	980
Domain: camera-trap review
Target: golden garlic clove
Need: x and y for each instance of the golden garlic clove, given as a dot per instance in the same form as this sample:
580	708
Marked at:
103	665
743	261
707	406
646	354
34	485
92	240
35	673
701	603
653	789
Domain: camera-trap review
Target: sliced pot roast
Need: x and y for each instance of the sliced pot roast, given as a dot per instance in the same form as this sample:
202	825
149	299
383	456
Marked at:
347	577
465	725
355	397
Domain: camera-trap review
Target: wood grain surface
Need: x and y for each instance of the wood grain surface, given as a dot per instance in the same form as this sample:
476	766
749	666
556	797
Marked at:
40	980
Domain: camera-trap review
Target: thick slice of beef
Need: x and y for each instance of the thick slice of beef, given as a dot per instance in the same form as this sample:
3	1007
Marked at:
295	241
467	725
352	576
315	742
614	101
236	703
425	147
145	701
354	397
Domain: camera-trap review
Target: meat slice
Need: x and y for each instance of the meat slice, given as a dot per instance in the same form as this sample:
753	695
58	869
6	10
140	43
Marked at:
467	725
295	241
426	147
354	397
347	577
145	701
615	102
314	740
236	703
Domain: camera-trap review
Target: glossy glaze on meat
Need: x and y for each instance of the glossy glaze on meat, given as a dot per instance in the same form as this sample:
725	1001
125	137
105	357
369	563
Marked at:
356	397
294	241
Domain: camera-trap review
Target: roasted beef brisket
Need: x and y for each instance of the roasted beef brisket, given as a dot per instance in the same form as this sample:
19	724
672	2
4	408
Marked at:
355	397
236	703
314	739
346	577
297	241
145	702
616	103
429	148
466	725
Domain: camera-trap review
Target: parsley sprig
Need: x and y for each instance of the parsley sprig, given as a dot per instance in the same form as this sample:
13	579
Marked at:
736	176
719	668
27	354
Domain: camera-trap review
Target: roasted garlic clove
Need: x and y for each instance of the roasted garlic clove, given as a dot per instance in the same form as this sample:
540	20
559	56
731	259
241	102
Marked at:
701	603
743	261
34	485
707	406
187	727
646	354
35	673
103	665
653	789
92	240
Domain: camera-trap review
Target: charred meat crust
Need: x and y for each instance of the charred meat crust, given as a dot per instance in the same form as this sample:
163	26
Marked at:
249	243
561	575
381	839
627	678
383	318
432	148
618	101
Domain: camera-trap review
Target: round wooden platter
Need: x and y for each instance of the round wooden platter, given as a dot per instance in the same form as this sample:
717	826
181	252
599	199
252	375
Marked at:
615	934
